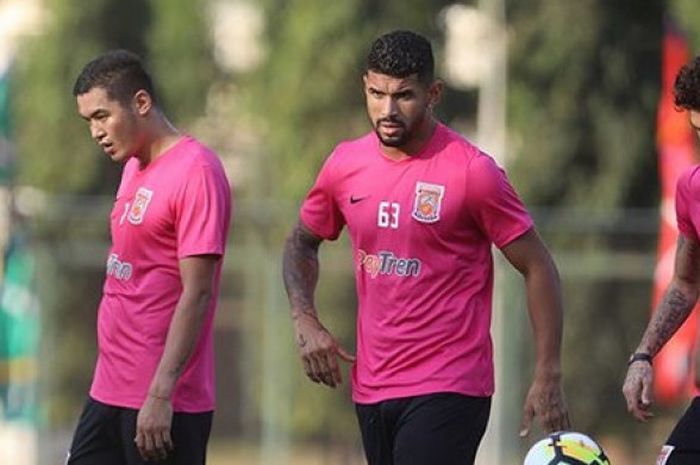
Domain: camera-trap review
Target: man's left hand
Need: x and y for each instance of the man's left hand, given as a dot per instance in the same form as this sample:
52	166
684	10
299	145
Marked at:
153	429
545	400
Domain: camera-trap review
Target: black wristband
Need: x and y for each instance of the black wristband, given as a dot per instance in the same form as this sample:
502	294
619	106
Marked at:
639	357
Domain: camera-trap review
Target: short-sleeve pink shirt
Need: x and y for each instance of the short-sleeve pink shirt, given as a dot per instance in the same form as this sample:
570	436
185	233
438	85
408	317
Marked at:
687	214
421	230
687	189
176	207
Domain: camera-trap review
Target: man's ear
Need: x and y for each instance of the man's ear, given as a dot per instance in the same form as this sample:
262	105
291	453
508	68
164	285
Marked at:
142	102
435	92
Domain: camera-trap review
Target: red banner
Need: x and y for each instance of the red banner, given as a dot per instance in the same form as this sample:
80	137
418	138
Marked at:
676	151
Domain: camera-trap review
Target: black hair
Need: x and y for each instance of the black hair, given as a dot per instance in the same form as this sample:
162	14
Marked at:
120	72
686	89
400	54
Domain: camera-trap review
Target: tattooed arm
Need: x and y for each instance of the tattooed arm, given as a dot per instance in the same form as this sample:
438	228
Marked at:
318	349
676	305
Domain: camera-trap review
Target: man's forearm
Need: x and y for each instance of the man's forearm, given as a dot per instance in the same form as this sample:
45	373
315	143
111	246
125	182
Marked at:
531	258
673	310
300	271
185	329
546	315
678	300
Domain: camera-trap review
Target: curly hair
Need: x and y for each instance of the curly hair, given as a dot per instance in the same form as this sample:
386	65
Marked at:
686	88
120	72
400	54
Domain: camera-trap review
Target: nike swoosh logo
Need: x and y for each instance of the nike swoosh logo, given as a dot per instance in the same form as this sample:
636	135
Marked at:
354	199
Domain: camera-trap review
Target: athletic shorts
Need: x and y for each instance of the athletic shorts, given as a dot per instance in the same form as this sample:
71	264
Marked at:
105	436
442	428
683	447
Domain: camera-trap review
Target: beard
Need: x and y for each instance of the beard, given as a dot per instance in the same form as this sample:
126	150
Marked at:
394	141
398	140
407	130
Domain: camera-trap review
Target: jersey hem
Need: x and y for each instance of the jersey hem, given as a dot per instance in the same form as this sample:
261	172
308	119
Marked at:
388	394
136	404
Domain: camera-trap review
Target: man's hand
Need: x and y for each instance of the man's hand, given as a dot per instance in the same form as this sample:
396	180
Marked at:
319	350
675	307
637	390
545	400
153	428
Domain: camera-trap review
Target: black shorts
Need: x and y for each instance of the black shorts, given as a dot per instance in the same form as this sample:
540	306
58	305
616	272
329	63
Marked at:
105	436
442	428
683	447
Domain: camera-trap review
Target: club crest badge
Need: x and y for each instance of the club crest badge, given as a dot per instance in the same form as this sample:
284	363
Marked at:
426	208
138	208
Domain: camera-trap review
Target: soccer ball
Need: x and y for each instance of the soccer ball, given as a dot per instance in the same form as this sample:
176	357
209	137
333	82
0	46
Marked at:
566	448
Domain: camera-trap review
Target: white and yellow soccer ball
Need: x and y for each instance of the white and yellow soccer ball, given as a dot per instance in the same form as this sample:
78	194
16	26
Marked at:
566	448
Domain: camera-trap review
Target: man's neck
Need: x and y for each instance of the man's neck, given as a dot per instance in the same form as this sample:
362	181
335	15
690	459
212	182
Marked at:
162	136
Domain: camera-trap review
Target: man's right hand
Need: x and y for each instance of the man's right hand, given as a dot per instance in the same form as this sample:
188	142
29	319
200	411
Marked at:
637	390
319	350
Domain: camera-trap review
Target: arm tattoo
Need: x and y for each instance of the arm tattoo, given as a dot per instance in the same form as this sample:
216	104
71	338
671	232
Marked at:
300	270
679	299
673	311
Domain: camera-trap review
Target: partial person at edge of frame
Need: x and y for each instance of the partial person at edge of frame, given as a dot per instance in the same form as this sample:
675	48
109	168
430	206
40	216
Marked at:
681	447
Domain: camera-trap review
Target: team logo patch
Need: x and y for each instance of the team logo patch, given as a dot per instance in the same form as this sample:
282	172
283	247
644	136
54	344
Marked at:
426	208
665	453
138	208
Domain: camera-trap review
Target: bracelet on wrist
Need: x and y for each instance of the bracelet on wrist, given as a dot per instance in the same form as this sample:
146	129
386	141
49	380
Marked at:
639	357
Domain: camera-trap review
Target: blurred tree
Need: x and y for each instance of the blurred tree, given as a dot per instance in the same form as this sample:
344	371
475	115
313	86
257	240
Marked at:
180	53
584	85
586	90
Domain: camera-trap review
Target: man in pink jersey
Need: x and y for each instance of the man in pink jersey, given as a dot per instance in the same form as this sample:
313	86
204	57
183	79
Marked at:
682	446
152	394
422	206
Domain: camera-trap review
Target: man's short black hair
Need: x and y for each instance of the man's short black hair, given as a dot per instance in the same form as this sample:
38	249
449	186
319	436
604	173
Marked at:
686	89
120	72
400	54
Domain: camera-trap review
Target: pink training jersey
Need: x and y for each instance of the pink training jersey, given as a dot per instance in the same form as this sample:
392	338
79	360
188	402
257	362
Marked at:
688	189
178	206
688	215
421	230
